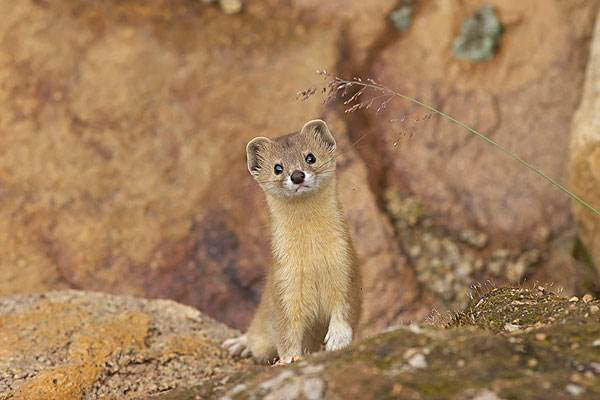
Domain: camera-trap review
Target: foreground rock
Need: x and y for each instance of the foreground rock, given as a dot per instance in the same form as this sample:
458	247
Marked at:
509	344
585	153
76	345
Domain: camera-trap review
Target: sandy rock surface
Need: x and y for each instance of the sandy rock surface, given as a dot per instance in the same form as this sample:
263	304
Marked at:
79	345
122	146
524	98
509	344
585	153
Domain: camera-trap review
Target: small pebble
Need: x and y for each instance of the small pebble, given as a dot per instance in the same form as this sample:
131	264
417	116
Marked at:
575	346
532	363
414	359
596	367
238	389
541	336
230	6
587	298
288	391
574	299
577	378
486	395
546	385
574	390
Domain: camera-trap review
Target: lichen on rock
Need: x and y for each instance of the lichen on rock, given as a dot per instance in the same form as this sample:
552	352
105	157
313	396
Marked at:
585	155
401	17
479	36
449	264
509	343
552	351
77	345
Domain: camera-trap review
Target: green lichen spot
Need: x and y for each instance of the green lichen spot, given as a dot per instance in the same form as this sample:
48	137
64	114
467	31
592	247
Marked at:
401	18
479	35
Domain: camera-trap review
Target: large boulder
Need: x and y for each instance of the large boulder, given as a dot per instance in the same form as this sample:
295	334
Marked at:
524	98
509	344
585	154
123	127
477	213
74	345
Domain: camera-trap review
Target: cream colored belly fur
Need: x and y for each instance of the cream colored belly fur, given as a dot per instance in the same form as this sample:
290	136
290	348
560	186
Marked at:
307	300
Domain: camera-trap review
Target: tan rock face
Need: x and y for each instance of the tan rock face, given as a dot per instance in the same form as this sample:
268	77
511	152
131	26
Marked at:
122	147
523	98
123	126
122	151
387	277
585	153
74	345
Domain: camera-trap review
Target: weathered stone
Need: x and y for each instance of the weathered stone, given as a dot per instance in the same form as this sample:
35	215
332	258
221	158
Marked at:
585	154
478	36
462	181
387	276
457	363
122	165
75	345
231	6
401	17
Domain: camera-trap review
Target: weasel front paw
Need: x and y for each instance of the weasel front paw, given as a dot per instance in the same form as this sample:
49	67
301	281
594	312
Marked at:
338	336
288	360
237	346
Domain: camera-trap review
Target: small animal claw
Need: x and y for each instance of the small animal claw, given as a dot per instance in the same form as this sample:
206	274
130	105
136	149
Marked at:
237	346
288	360
246	352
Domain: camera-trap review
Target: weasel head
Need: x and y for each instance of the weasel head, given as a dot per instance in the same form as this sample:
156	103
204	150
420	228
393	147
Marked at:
293	165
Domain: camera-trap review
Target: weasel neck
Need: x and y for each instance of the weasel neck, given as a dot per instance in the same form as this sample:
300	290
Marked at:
307	216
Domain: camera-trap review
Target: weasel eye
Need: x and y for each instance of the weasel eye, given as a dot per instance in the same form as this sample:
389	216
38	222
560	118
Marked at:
310	158
278	169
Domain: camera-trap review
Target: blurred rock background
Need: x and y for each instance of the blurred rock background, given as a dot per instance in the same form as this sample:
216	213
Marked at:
123	126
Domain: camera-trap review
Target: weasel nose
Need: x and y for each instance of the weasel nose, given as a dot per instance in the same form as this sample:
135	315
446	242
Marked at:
297	177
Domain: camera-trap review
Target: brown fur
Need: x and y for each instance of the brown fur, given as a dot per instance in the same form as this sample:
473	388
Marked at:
314	286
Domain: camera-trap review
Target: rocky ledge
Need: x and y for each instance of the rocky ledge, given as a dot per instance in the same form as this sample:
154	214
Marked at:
510	343
81	345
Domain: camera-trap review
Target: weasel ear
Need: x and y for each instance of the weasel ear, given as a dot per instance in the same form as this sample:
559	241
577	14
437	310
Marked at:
319	129
253	154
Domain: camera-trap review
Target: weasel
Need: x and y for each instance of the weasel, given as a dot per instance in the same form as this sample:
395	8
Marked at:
312	294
